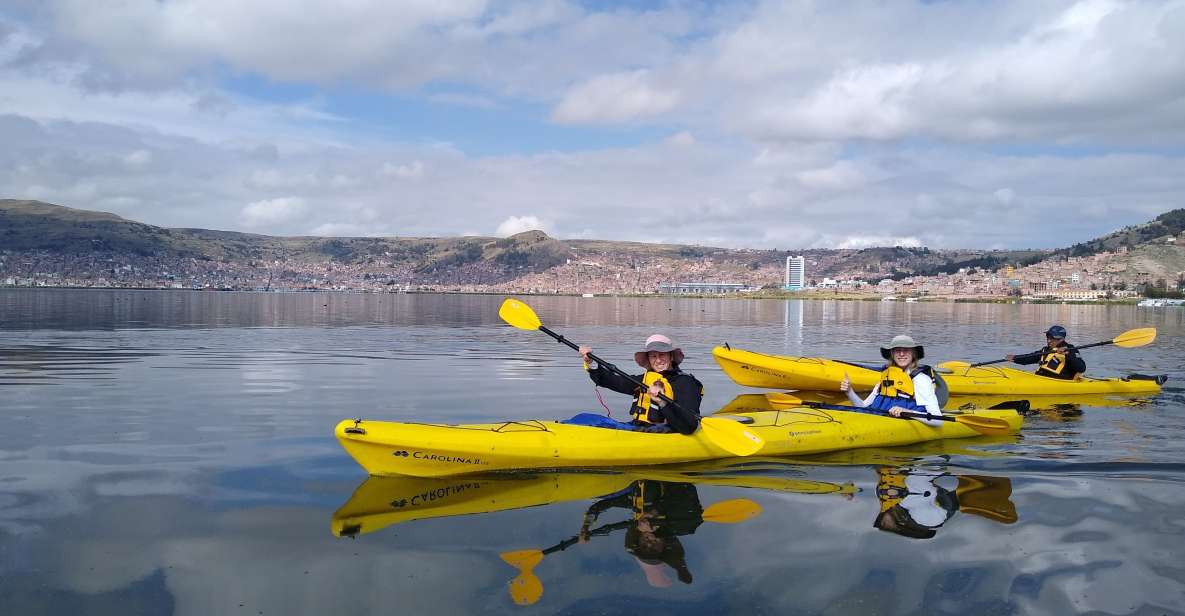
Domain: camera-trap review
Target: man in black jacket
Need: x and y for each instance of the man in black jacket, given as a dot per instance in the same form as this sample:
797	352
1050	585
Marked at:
1058	359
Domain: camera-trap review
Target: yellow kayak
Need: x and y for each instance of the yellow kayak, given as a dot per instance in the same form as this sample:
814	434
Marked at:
818	374
382	501
963	402
436	450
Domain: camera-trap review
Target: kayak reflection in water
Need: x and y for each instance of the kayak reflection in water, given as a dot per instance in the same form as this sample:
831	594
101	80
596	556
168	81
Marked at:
662	511
914	503
660	357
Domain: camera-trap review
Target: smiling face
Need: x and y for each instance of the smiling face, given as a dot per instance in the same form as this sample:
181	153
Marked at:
902	357
659	361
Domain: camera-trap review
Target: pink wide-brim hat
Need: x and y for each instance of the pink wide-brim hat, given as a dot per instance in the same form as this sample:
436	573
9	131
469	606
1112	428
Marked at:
662	344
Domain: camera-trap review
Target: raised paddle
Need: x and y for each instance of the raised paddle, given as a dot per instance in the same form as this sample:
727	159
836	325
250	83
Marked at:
725	434
1129	339
526	588
982	425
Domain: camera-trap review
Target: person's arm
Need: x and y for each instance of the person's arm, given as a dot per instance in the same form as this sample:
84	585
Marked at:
1077	365
603	377
688	394
855	399
621	499
1027	359
846	386
923	394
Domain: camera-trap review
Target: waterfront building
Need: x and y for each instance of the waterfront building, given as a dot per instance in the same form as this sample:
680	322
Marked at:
795	273
701	288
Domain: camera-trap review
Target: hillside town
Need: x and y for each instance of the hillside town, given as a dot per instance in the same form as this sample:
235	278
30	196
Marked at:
1101	276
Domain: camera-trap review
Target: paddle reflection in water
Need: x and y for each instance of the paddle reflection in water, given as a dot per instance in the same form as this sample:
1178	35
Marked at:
915	502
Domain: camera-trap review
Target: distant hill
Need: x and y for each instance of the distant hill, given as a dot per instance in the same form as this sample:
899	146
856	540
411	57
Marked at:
1168	225
35	226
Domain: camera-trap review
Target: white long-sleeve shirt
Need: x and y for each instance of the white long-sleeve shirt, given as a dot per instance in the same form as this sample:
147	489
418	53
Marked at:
923	394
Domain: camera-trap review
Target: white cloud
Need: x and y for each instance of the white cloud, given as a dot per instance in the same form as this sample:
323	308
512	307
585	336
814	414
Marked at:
843	175
756	137
271	212
609	99
410	171
869	241
681	139
345	229
710	192
519	224
138	159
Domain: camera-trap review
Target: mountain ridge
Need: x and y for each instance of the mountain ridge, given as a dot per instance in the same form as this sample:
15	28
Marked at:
74	234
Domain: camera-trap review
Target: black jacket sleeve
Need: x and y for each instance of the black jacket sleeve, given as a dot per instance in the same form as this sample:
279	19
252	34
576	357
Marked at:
1028	359
688	394
1076	364
624	500
603	377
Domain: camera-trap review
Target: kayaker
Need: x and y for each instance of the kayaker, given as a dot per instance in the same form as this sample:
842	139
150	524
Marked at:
660	357
662	511
904	384
1058	359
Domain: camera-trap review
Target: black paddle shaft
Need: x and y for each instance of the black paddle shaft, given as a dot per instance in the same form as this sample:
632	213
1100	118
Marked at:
567	543
859	409
614	369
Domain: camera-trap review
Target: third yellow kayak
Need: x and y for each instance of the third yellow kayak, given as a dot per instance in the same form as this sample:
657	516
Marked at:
819	374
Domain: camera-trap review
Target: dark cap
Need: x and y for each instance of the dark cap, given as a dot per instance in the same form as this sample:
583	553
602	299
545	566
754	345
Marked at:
1057	331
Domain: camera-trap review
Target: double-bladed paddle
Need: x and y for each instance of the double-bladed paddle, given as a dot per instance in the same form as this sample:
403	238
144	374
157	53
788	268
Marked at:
1129	339
726	434
982	425
526	588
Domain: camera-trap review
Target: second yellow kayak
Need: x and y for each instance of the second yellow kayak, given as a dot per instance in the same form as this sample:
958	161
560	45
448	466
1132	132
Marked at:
819	374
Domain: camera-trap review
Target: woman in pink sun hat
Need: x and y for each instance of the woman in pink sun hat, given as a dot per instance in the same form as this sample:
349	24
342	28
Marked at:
660	358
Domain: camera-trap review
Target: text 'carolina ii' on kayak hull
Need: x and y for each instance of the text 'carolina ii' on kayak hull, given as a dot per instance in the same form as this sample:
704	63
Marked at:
435	450
818	374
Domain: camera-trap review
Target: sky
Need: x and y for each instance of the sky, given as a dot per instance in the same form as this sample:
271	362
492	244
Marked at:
796	124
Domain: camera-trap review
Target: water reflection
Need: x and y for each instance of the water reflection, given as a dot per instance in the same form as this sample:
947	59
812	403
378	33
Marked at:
659	513
656	510
379	502
37	363
206	442
915	502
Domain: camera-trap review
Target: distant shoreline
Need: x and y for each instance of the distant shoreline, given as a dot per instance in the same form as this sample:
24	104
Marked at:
722	296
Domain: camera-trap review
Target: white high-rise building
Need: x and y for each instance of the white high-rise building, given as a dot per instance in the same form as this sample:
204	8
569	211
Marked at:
795	273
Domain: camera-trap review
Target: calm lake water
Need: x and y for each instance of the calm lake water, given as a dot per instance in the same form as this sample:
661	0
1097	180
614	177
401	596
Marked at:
172	452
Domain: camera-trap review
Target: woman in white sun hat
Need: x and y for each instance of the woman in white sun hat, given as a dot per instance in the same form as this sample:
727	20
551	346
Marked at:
660	357
904	384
